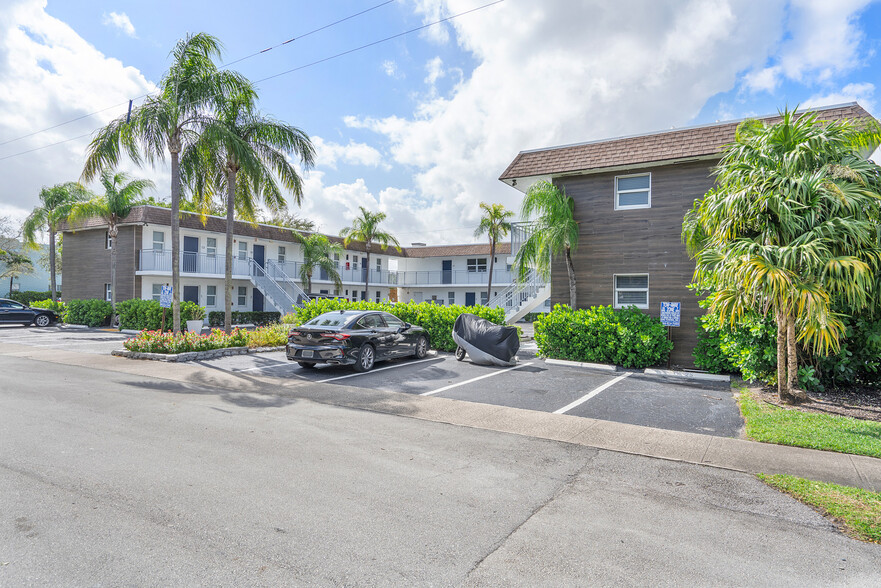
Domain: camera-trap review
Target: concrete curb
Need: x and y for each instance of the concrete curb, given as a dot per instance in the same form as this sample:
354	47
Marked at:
193	355
593	366
69	326
129	332
689	375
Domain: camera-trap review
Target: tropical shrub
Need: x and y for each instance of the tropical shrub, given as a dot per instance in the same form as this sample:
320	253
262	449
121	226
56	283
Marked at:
250	317
627	337
437	320
93	313
140	315
268	336
28	297
49	304
158	342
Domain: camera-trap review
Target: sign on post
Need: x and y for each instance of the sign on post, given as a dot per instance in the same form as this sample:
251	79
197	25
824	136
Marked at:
670	312
165	297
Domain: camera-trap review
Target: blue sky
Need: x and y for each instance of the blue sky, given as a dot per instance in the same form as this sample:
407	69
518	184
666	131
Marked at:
421	126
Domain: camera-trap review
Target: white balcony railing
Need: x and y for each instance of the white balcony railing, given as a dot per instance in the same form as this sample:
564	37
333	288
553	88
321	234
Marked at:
152	260
452	278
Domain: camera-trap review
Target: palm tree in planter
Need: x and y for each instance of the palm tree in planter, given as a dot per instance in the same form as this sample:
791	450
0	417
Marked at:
55	205
169	121
365	228
241	157
318	252
791	230
495	224
121	194
554	232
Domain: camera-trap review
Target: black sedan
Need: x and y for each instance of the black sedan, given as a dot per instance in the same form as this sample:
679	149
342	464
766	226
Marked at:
16	312
355	337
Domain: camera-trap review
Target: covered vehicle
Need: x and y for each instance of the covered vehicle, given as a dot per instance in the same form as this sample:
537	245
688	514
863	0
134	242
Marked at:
16	312
355	337
486	343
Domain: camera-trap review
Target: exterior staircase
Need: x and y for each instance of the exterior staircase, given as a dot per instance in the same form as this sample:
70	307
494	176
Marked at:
522	297
278	289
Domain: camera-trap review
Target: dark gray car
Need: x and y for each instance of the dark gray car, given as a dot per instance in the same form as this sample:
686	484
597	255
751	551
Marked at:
16	312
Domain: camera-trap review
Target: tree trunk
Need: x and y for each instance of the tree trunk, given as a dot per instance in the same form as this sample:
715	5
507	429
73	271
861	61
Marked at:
113	232
175	235
52	282
782	379
230	223
797	394
367	274
492	257
570	269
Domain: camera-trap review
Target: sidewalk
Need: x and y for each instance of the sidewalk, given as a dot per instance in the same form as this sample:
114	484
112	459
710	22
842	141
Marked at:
720	452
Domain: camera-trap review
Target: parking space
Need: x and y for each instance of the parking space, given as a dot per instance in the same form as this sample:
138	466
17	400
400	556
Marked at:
98	341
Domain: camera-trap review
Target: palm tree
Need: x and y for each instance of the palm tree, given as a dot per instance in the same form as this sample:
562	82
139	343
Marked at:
56	203
169	121
554	232
241	156
495	225
366	228
792	228
120	195
318	252
16	264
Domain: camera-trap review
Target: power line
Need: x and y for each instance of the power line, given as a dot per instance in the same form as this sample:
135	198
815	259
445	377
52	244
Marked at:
45	146
225	65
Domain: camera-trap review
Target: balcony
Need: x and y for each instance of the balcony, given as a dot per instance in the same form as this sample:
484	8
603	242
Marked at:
411	279
352	275
159	261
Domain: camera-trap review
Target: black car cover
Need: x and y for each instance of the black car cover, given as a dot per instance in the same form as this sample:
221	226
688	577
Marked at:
486	343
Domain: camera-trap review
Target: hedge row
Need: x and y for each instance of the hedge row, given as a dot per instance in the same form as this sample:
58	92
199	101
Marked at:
93	313
250	317
146	315
30	296
437	320
600	334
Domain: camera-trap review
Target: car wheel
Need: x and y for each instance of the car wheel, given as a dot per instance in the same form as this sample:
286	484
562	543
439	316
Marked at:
421	347
366	358
306	365
42	320
460	354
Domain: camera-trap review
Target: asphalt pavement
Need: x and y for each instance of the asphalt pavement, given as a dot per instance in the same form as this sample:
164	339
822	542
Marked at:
112	476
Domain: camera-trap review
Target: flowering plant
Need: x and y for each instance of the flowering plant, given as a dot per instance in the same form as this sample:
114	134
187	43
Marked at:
159	342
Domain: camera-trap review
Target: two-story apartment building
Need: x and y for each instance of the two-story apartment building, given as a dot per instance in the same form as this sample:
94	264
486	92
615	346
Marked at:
631	194
266	265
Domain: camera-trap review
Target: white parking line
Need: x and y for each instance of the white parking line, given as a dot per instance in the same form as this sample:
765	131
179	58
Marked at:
262	367
59	344
516	367
391	367
591	394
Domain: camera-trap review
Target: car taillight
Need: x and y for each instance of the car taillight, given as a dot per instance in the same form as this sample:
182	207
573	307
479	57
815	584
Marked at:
294	334
336	336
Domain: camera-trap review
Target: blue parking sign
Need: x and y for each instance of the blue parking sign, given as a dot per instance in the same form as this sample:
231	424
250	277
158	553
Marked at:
670	312
165	297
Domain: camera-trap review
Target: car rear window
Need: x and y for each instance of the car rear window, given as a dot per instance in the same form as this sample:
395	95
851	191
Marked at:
333	319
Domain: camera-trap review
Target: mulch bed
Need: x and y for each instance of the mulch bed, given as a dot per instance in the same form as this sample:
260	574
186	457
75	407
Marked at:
859	403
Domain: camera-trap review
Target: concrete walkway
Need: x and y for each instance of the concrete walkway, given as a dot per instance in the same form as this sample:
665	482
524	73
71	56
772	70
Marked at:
733	454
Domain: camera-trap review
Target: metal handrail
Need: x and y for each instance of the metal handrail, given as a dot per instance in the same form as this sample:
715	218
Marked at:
256	272
276	269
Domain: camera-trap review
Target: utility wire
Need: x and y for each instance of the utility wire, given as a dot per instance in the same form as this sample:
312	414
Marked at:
225	65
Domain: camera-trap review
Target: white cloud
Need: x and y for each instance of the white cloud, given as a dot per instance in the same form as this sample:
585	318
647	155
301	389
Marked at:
824	41
51	75
390	68
435	69
121	21
863	93
328	154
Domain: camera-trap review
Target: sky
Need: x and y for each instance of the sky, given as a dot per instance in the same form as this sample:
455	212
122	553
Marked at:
420	126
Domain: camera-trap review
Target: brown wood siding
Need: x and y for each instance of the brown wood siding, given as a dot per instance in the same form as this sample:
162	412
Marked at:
637	241
86	263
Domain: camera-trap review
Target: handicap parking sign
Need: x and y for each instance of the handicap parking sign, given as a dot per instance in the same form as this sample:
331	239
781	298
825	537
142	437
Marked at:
670	312
165	297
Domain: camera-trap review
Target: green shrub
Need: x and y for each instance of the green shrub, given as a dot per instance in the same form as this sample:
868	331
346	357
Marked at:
139	315
56	305
627	337
437	320
28	297
93	313
190	311
156	342
249	317
269	336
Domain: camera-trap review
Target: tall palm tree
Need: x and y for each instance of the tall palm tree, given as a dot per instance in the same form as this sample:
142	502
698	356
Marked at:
56	203
121	194
495	224
366	228
15	264
792	228
554	232
169	121
318	252
241	156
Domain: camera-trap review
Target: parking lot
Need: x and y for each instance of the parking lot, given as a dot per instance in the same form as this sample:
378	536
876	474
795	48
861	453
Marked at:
628	397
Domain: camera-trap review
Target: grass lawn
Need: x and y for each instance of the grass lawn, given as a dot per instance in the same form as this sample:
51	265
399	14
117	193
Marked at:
784	426
859	511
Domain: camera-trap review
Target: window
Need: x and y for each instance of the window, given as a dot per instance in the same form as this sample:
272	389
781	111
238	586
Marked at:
157	292
158	241
633	191
632	290
211	246
108	241
377	295
243	250
451	297
281	254
243	296
393	321
477	265
483	299
336	263
108	293
378	264
211	296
